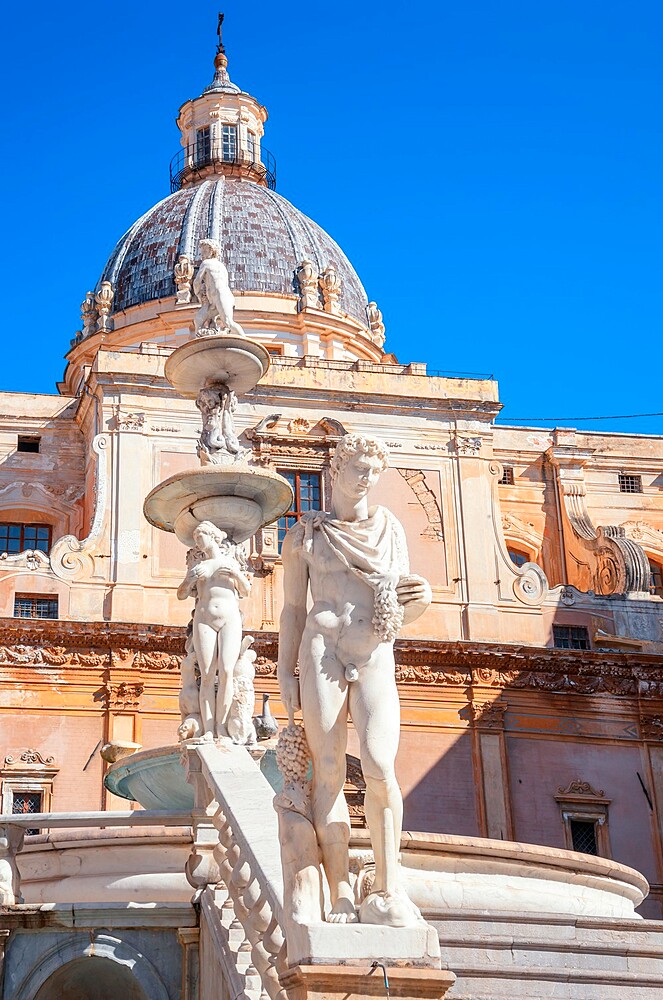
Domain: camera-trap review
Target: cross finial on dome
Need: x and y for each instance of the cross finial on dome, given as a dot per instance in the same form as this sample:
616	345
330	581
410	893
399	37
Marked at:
221	79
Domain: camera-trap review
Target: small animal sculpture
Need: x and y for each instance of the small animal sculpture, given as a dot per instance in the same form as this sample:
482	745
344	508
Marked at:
266	725
240	722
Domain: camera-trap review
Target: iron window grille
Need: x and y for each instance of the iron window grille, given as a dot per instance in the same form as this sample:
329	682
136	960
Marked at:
15	537
570	637
306	487
507	476
229	143
34	606
28	443
583	836
629	483
26	803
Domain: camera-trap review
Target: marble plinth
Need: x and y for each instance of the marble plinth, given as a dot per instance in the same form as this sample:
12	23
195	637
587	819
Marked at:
207	361
238	498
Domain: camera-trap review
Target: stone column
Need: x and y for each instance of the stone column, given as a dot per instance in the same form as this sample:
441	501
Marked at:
189	938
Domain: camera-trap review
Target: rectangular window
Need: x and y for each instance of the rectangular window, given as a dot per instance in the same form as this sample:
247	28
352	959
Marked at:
583	836
28	443
307	490
203	146
24	803
229	143
629	483
507	476
19	537
252	146
570	637
34	606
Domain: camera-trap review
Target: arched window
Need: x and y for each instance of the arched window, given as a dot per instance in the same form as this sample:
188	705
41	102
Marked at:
655	578
518	556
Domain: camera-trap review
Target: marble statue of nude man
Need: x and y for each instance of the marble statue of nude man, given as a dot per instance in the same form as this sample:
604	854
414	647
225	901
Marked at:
211	285
216	580
354	563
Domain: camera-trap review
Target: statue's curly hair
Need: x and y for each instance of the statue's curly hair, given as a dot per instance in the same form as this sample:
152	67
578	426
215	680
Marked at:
208	528
214	245
355	444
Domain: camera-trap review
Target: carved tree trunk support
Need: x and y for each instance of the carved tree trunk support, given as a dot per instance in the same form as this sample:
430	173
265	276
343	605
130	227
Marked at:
328	982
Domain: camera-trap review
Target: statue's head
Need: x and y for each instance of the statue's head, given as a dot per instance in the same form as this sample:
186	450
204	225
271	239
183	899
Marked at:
207	533
209	248
208	400
357	463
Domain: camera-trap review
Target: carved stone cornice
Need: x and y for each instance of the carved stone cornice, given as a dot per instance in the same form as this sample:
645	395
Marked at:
123	696
488	714
444	663
651	727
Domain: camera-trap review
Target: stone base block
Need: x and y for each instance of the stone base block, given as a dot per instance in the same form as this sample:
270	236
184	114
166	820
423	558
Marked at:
361	944
343	982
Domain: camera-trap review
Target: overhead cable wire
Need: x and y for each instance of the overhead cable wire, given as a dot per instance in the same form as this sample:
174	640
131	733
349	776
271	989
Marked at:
620	416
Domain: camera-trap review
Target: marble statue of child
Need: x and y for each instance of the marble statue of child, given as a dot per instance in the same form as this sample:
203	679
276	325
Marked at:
217	581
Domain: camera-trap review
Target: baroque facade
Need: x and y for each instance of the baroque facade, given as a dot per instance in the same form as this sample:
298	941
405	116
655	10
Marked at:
531	690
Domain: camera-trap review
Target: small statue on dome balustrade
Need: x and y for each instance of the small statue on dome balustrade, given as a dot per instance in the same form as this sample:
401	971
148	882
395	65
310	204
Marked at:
217	303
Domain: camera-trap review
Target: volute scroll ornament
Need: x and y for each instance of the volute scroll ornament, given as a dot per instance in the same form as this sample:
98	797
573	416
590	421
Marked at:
71	557
104	301
603	559
306	279
375	323
183	274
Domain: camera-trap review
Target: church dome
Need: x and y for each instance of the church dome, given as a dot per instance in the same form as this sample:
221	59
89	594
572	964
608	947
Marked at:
263	237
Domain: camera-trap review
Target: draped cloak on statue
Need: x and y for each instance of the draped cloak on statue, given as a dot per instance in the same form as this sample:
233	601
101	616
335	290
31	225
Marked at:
375	550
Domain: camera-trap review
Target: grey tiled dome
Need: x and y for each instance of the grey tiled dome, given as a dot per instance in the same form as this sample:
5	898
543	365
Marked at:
264	238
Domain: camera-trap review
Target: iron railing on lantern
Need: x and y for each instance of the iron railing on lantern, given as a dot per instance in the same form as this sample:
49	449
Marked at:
192	162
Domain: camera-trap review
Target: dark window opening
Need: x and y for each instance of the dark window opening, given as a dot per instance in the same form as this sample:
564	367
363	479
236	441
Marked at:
203	146
629	483
26	443
19	537
507	476
251	145
25	803
570	637
306	487
518	557
33	606
583	836
655	578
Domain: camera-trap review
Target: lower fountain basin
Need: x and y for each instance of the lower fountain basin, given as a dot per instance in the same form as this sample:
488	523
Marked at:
154	778
237	498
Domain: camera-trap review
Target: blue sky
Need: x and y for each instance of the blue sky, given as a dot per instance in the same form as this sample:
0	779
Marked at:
493	170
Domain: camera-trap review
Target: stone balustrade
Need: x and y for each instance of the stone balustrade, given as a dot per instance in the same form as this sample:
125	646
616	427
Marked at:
236	847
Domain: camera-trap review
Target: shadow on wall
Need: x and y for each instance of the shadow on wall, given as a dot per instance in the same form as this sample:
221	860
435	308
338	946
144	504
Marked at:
561	747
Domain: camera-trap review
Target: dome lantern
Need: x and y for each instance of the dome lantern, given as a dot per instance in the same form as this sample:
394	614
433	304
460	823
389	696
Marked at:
222	132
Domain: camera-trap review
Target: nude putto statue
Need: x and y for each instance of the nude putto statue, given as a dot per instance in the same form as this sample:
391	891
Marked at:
216	577
217	303
353	562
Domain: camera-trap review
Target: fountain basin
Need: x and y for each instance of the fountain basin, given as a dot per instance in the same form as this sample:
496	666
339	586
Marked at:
206	361
237	498
154	778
